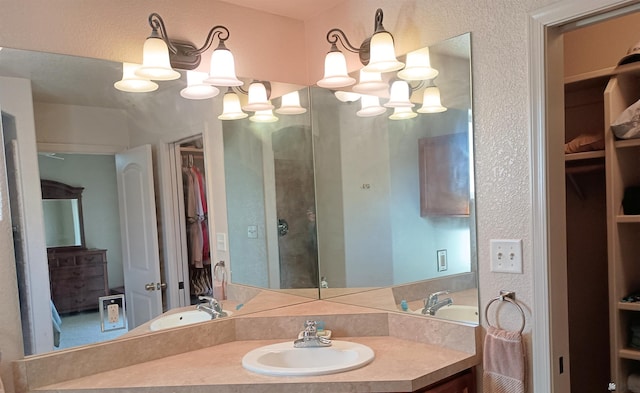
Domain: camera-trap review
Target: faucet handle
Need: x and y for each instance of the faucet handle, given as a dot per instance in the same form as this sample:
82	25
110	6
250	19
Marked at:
433	297
310	328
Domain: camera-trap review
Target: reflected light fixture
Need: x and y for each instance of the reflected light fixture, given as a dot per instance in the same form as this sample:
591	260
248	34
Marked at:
196	88
161	55
402	113
418	66
263	116
132	83
290	104
377	53
258	97
347	96
399	95
370	82
370	106
431	100
231	107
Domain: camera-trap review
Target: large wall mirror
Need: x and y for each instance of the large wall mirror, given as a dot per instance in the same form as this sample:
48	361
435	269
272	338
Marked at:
62	211
324	204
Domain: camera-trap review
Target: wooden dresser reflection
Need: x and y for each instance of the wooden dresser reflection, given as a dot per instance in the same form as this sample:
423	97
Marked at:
78	278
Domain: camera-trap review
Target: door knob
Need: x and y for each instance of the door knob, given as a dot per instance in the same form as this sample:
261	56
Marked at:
160	286
150	287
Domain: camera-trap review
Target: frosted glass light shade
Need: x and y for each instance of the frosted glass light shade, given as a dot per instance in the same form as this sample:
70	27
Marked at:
335	71
265	116
155	61
431	101
383	54
399	95
258	100
196	88
290	104
402	113
370	107
132	83
222	70
370	82
231	107
418	66
347	96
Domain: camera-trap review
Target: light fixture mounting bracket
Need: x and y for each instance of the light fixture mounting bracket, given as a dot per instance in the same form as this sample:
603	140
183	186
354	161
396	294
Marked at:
185	56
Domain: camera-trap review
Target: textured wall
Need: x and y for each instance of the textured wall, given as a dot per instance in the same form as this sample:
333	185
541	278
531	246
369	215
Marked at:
500	83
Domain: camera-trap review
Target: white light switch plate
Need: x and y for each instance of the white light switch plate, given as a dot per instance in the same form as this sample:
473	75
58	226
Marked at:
506	255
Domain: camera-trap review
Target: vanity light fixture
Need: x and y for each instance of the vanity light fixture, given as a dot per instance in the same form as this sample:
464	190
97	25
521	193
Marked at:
196	88
431	100
399	95
370	106
418	66
258	97
377	53
231	109
264	116
402	113
290	104
161	54
132	83
370	82
347	96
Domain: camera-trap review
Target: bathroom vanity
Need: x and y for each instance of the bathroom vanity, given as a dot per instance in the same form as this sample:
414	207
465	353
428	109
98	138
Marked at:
412	354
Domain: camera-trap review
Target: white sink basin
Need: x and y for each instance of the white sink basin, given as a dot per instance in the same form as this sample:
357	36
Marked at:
283	359
181	319
457	312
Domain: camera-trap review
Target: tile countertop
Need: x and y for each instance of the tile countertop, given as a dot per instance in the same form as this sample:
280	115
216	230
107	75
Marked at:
411	352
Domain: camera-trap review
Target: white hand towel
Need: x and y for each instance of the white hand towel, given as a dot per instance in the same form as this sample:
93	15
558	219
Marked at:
503	362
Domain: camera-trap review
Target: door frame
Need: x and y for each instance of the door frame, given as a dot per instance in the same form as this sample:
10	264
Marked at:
550	326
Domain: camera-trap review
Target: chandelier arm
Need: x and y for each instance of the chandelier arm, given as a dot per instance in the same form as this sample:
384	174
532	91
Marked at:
156	23
221	32
335	35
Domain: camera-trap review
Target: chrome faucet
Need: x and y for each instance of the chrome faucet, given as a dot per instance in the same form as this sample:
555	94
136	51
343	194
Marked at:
433	304
211	307
310	337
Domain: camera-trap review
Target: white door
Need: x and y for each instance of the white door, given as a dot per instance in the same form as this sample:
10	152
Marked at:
141	260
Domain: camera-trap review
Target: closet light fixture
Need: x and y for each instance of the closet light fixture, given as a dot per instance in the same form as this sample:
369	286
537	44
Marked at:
161	55
231	109
377	53
290	104
370	106
196	88
431	100
132	83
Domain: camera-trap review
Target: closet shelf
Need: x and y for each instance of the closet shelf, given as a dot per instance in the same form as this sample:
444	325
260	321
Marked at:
627	143
587	155
628	306
627	219
628	353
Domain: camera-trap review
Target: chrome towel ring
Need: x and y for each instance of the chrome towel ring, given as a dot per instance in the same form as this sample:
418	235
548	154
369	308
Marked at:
508	296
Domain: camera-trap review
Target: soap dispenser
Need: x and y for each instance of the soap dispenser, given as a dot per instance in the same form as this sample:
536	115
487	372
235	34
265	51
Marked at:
220	281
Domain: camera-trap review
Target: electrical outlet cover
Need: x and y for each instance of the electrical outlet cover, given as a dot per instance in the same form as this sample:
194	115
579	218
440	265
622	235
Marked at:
506	255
